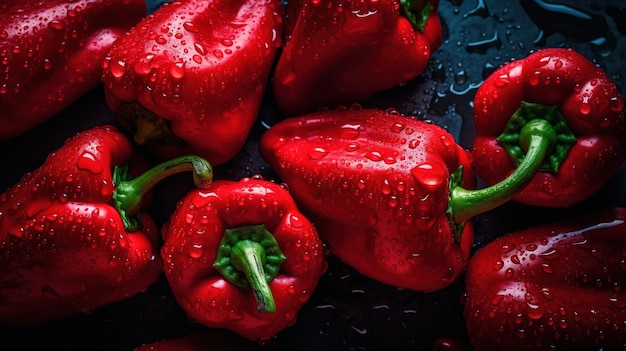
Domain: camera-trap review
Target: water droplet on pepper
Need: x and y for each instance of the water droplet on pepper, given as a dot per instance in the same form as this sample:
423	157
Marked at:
430	176
195	251
317	153
49	293
90	163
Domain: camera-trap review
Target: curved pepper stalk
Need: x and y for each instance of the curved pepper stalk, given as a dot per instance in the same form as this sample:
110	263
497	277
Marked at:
128	194
250	257
538	138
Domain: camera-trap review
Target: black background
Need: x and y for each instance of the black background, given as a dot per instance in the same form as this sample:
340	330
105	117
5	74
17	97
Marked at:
349	311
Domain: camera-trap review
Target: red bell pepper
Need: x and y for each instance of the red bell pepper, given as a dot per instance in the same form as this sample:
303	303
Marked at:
386	190
50	52
240	256
551	82
73	235
558	286
340	52
189	78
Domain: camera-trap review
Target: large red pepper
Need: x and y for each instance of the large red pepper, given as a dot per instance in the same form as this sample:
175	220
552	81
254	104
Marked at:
240	255
50	54
551	83
340	52
189	78
386	190
559	286
73	235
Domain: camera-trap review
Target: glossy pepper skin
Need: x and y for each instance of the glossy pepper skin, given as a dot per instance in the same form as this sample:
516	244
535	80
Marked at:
340	52
241	256
386	191
73	235
189	78
50	54
588	101
557	286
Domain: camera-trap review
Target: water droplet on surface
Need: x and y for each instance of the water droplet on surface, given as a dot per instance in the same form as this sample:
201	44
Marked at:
55	24
550	254
49	293
199	48
352	147
317	153
430	176
177	70
498	265
349	131
397	127
90	163
374	156
118	68
295	221
195	251
506	248
546	268
509	273
618	301
616	104
534	311
190	27
584	108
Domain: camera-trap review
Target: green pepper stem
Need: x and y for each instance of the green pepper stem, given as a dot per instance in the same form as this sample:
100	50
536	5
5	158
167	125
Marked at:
417	12
247	256
538	137
129	193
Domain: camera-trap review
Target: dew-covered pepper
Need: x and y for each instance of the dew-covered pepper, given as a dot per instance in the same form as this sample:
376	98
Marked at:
74	235
239	255
389	192
189	78
50	54
554	83
558	286
339	52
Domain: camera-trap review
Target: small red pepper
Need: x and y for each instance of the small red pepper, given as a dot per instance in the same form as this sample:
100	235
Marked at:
50	52
386	190
558	286
73	235
551	82
240	256
189	78
340	52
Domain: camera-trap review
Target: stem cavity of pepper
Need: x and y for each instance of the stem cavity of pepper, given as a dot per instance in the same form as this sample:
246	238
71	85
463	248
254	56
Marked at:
249	257
128	194
147	125
513	141
537	137
417	12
